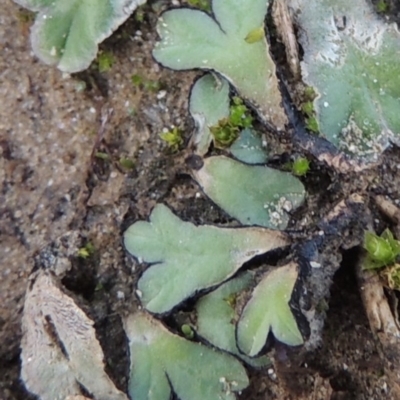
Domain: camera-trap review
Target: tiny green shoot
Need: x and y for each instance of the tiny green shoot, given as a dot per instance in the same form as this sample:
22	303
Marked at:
231	299
300	166
80	86
105	61
146	84
382	6
255	35
381	250
225	133
102	156
309	93
139	14
25	16
239	114
312	124
308	109
204	5
227	130
187	331
127	163
86	251
173	138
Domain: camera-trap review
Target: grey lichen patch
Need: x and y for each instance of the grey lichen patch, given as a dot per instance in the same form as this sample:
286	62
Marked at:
352	139
281	207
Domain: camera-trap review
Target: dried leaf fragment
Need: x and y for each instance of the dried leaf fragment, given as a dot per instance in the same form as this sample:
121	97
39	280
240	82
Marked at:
59	349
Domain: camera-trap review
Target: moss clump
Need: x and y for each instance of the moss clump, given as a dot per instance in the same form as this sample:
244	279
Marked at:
308	109
146	84
382	6
105	61
201	4
86	251
300	166
173	138
227	130
382	250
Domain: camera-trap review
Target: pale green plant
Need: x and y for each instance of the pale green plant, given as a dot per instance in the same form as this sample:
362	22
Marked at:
188	258
216	315
268	310
162	362
209	103
66	33
193	39
254	195
351	59
248	148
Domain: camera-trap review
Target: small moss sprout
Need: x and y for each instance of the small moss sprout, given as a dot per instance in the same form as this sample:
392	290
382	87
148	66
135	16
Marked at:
255	35
86	251
127	163
227	130
204	5
173	138
105	61
308	109
300	166
187	331
382	6
382	250
145	84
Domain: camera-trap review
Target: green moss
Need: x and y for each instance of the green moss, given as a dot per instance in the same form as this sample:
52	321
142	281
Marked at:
382	6
309	93
382	250
127	163
239	114
146	84
308	108
105	61
312	124
225	133
255	35
139	14
201	4
300	166
227	130
188	332
86	251
173	138
102	156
